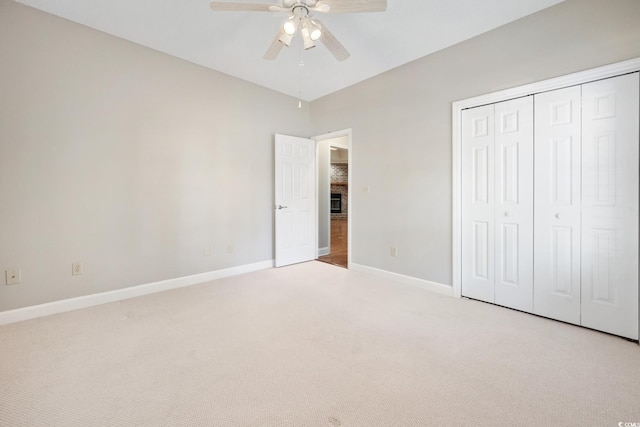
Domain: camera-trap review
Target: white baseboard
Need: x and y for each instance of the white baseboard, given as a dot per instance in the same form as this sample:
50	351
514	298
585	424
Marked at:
55	307
438	288
323	251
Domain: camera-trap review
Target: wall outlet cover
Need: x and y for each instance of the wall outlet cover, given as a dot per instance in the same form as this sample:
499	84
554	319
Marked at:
13	276
76	268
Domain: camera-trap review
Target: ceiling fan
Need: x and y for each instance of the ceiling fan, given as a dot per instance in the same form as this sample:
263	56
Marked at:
300	21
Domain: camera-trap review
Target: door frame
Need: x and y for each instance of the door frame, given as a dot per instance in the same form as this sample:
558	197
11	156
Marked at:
581	77
333	135
328	181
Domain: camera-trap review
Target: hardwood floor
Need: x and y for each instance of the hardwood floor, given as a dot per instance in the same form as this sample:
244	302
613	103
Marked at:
339	244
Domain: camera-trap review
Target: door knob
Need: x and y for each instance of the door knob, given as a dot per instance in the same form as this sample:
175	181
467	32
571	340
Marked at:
507	213
281	207
558	215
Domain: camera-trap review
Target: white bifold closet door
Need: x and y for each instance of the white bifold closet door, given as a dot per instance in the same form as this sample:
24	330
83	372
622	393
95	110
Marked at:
586	205
610	176
557	204
478	203
497	206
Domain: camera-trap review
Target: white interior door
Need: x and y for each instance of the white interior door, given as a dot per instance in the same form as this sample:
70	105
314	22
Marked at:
610	205
295	200
514	203
478	203
557	204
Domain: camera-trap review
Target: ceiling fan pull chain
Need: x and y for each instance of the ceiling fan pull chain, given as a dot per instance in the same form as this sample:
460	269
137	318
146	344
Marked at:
300	65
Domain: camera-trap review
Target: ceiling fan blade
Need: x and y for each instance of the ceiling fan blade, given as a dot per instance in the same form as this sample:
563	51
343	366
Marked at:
321	7
219	6
276	8
351	6
332	44
274	49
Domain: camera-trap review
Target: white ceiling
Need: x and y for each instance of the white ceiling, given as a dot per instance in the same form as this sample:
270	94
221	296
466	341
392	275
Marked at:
234	43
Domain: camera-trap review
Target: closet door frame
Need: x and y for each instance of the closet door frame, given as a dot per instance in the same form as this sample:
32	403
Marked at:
582	77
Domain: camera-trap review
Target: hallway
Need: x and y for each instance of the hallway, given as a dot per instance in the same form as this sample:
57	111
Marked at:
339	244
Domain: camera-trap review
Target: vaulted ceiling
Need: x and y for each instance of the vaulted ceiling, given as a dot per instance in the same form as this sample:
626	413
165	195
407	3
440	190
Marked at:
234	42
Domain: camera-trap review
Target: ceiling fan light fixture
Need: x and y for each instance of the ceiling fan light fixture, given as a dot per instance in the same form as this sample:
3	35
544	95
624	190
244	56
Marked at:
285	38
290	26
306	38
315	31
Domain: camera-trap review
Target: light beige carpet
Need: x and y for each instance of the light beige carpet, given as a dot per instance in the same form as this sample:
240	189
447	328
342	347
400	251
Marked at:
312	345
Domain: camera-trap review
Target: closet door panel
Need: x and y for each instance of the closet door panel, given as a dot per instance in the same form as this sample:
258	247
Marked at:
610	205
557	204
514	203
478	203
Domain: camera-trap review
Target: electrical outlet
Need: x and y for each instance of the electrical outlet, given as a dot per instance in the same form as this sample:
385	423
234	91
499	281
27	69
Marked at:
13	276
394	252
76	268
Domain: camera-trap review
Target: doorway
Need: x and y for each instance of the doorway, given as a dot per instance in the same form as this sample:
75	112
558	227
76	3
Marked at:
334	198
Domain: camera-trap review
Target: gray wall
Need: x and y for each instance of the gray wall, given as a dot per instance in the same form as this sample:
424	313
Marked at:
133	162
126	159
401	122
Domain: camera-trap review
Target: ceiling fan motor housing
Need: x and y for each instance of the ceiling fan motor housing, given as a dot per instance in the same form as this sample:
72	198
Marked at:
303	3
300	10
